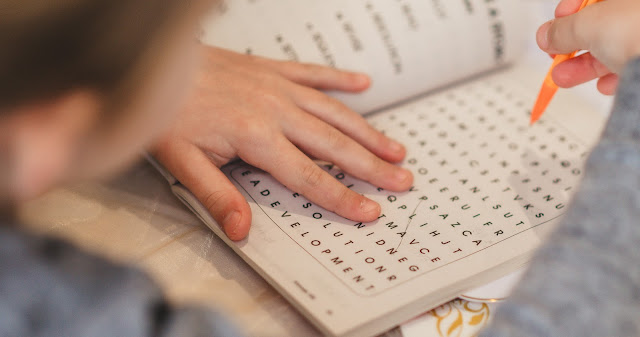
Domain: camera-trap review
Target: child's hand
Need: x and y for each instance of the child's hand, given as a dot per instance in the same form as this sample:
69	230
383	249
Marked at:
608	30
270	114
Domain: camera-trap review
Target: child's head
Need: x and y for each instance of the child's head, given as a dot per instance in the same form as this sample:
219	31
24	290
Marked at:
85	84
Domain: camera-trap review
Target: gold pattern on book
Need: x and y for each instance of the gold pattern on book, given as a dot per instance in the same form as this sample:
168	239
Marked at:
460	318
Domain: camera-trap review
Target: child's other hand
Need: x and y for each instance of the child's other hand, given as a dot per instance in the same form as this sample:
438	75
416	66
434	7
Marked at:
608	30
270	113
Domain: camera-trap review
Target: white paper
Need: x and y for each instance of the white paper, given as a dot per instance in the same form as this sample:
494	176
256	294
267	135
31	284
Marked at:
408	47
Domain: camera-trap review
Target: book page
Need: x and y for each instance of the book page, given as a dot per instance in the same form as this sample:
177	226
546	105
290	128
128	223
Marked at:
408	47
488	188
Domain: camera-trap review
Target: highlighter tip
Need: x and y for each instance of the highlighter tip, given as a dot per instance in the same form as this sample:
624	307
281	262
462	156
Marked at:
544	98
536	113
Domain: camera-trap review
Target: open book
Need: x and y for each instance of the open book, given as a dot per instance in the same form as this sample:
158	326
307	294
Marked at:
447	84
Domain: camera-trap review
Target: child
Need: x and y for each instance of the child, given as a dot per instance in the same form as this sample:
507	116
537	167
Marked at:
585	280
85	85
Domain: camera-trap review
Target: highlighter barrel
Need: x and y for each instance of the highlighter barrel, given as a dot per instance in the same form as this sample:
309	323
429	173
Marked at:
549	87
548	90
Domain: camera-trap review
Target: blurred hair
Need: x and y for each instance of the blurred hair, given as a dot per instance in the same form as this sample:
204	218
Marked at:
49	47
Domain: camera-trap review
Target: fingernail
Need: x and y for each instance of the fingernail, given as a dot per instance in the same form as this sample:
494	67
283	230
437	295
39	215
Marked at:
362	79
231	222
395	146
543	35
368	206
402	175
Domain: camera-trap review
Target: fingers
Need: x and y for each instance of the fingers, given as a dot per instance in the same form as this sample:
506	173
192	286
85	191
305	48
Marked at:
582	69
319	77
608	84
300	174
349	122
578	70
567	34
214	190
323	141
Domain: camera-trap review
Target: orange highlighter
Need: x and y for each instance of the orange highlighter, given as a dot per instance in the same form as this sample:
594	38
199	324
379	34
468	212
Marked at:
549	87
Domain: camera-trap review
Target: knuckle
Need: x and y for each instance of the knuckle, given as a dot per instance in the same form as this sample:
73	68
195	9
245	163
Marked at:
346	199
318	71
552	35
270	100
329	104
335	139
255	59
310	68
252	132
594	67
377	165
560	33
573	30
380	139
380	169
289	64
212	200
298	69
312	176
578	31
337	106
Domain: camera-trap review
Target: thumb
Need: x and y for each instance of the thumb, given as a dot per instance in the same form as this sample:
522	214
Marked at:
212	188
570	33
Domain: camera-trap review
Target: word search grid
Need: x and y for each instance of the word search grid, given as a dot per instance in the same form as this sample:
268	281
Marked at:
482	176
